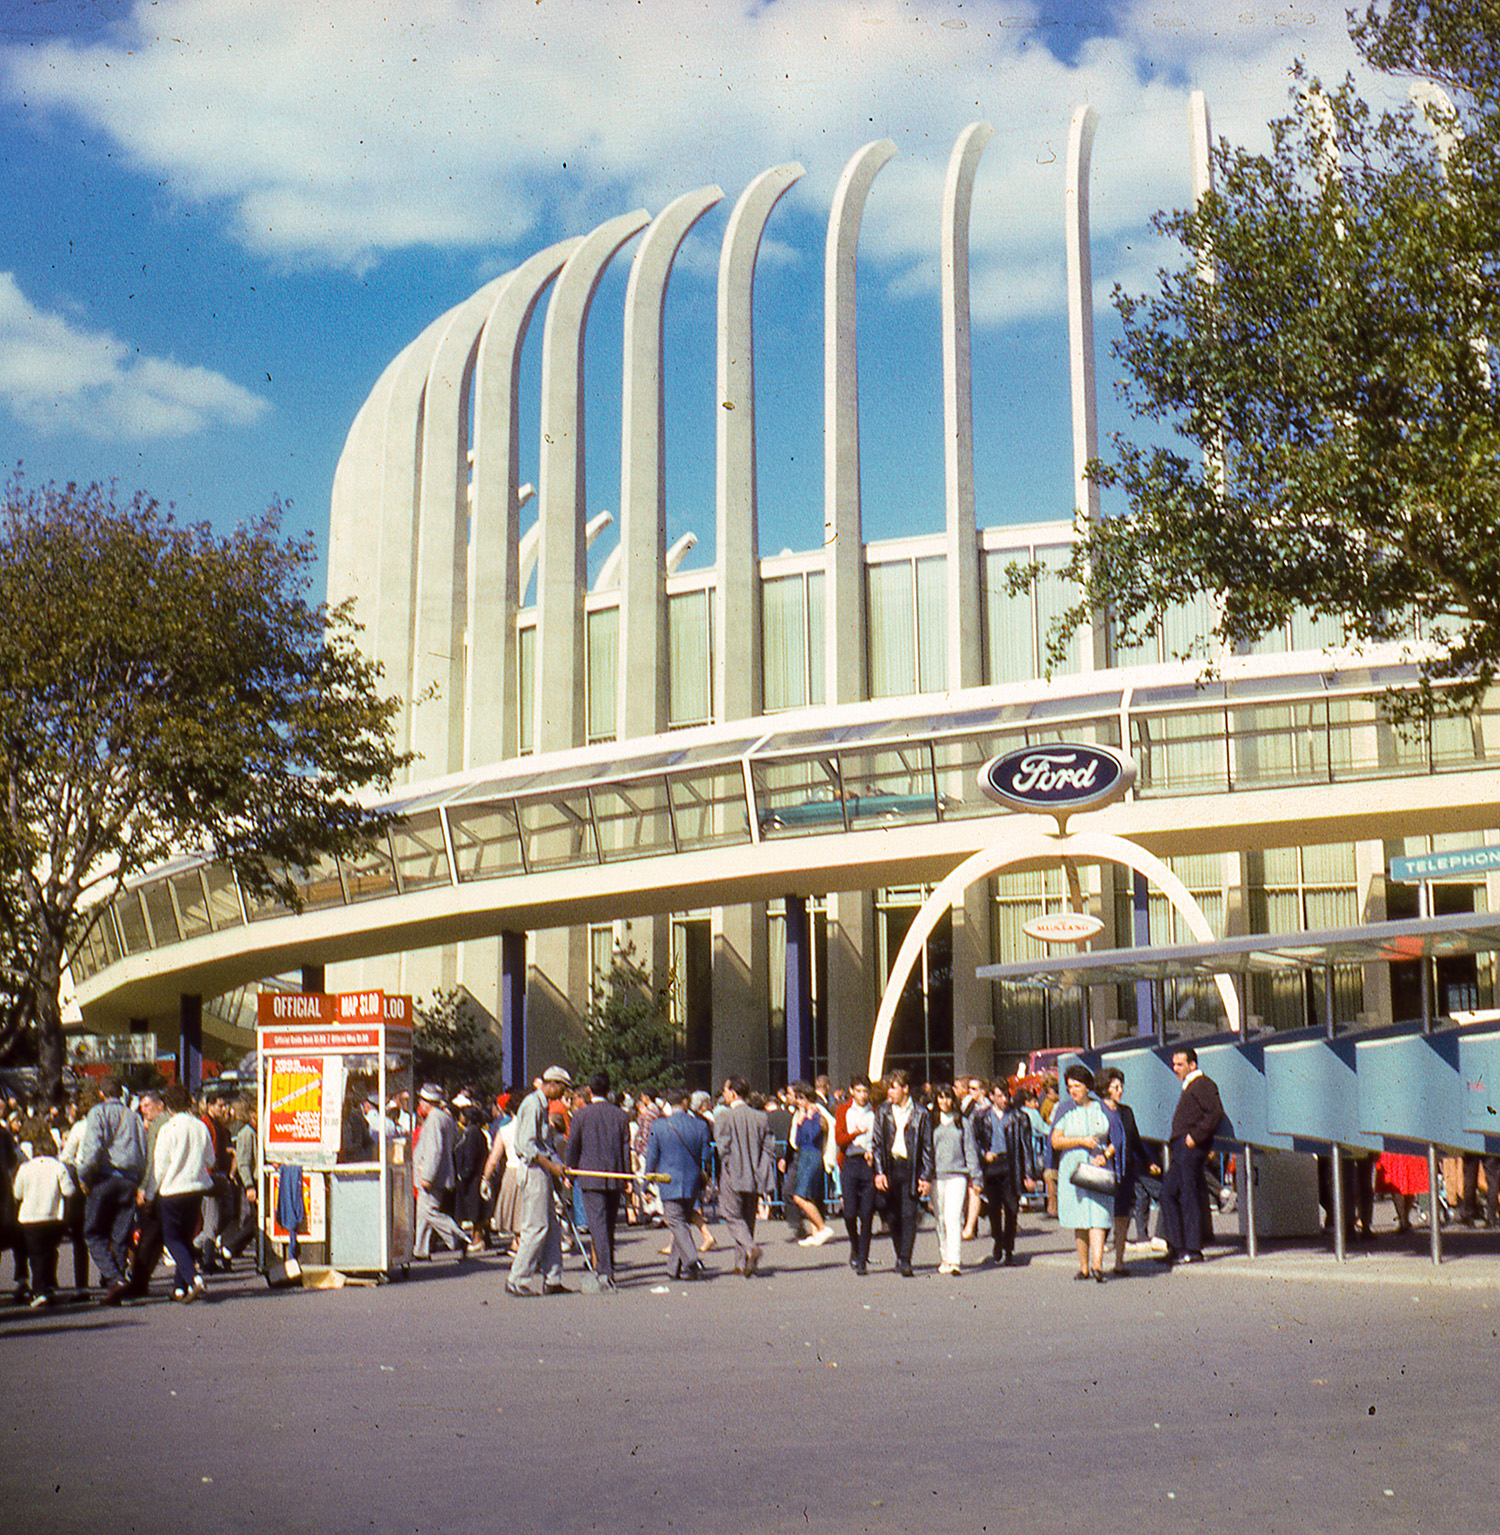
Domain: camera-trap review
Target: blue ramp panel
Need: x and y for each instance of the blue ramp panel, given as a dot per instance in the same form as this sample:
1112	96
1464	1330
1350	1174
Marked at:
1479	1081
1409	1088
1312	1092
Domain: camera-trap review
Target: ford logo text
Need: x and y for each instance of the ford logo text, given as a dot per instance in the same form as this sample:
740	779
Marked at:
1059	778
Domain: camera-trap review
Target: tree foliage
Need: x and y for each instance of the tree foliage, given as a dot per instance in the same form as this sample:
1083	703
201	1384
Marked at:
629	1031
454	1046
163	689
1323	364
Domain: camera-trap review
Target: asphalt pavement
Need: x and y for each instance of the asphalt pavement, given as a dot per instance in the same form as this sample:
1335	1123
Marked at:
1285	1394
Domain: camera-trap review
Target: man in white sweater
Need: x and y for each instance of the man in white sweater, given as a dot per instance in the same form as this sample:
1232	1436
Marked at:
181	1173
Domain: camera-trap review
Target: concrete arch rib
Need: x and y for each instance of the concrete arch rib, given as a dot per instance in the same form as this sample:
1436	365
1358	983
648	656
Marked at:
736	512
560	693
490	686
442	538
354	545
958	409
642	710
1081	308
1029	845
843	533
392	627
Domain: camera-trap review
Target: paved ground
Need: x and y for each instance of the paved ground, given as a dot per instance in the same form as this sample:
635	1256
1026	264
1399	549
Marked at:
1287	1395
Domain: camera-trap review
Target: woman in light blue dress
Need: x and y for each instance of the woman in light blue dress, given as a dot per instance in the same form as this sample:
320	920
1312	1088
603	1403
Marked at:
1080	1132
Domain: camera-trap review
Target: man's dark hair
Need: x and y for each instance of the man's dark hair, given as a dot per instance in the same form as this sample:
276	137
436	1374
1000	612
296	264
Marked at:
679	1097
176	1097
113	1086
740	1086
859	1079
901	1075
599	1084
1187	1052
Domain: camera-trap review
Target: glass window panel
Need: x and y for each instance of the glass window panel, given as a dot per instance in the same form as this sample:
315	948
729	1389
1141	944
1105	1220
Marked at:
817	671
633	819
158	898
796	797
370	874
690	665
192	903
892	629
320	886
1009	621
603	660
709	807
223	897
421	857
108	936
1054	596
485	842
558	831
932	625
885	786
1179	753
784	639
1320	633
1187	627
526	687
132	920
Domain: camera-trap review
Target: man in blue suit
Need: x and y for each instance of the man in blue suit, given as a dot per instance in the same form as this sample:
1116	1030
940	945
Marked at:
678	1146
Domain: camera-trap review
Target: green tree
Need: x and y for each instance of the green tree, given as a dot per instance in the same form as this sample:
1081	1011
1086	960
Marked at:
454	1046
629	1031
163	689
1322	364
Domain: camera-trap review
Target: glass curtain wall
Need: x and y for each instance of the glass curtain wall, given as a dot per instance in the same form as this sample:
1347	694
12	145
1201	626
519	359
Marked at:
907	604
1030	1017
792	640
921	1036
817	921
1292	889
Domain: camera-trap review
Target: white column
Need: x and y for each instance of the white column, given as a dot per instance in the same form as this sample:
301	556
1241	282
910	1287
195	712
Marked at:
442	544
490	703
1091	642
964	668
843	534
561	582
641	678
737	659
393	626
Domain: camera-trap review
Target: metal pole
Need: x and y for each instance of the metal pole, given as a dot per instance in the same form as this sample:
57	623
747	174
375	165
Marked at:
1252	1245
1434	1205
1336	1182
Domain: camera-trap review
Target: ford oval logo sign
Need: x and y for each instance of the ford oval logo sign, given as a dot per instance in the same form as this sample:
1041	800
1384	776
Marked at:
1057	779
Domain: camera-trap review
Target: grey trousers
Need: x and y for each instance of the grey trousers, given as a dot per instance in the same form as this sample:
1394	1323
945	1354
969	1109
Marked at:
539	1236
676	1213
738	1208
431	1221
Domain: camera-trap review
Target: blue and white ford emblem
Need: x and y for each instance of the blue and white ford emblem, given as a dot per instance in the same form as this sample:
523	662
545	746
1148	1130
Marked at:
1059	778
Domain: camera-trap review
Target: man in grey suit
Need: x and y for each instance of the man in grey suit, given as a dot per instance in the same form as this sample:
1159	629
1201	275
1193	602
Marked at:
747	1170
432	1172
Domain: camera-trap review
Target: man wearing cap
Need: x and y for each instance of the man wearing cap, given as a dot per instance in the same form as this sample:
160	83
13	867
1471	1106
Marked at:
539	1242
432	1172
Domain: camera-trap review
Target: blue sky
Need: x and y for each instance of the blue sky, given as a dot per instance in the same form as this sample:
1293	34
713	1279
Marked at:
226	216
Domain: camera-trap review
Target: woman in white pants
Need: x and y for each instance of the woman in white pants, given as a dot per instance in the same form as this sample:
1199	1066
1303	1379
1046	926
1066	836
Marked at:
956	1167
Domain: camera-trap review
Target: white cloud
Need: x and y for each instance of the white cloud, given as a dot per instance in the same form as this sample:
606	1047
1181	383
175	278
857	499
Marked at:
56	376
335	133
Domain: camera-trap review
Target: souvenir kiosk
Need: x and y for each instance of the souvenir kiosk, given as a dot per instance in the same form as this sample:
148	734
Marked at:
319	1055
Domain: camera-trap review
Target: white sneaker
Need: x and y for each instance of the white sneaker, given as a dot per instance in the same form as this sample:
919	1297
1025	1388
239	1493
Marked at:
200	1287
818	1238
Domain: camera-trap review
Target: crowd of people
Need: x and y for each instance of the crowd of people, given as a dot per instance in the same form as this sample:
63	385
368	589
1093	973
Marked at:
575	1159
126	1182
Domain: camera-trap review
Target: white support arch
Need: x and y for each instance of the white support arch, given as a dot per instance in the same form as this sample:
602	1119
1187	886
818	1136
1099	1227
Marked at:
1035	844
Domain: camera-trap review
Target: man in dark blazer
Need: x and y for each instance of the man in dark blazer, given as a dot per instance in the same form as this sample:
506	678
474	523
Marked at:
599	1142
903	1163
747	1170
678	1146
1195	1122
1007	1163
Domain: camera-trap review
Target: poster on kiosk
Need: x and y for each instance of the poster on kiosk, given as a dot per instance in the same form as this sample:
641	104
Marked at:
311	1045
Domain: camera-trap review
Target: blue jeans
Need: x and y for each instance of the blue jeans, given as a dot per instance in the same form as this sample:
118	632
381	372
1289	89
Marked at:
108	1216
179	1220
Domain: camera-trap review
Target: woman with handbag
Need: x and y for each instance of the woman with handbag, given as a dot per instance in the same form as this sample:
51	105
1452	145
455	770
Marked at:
1086	1170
